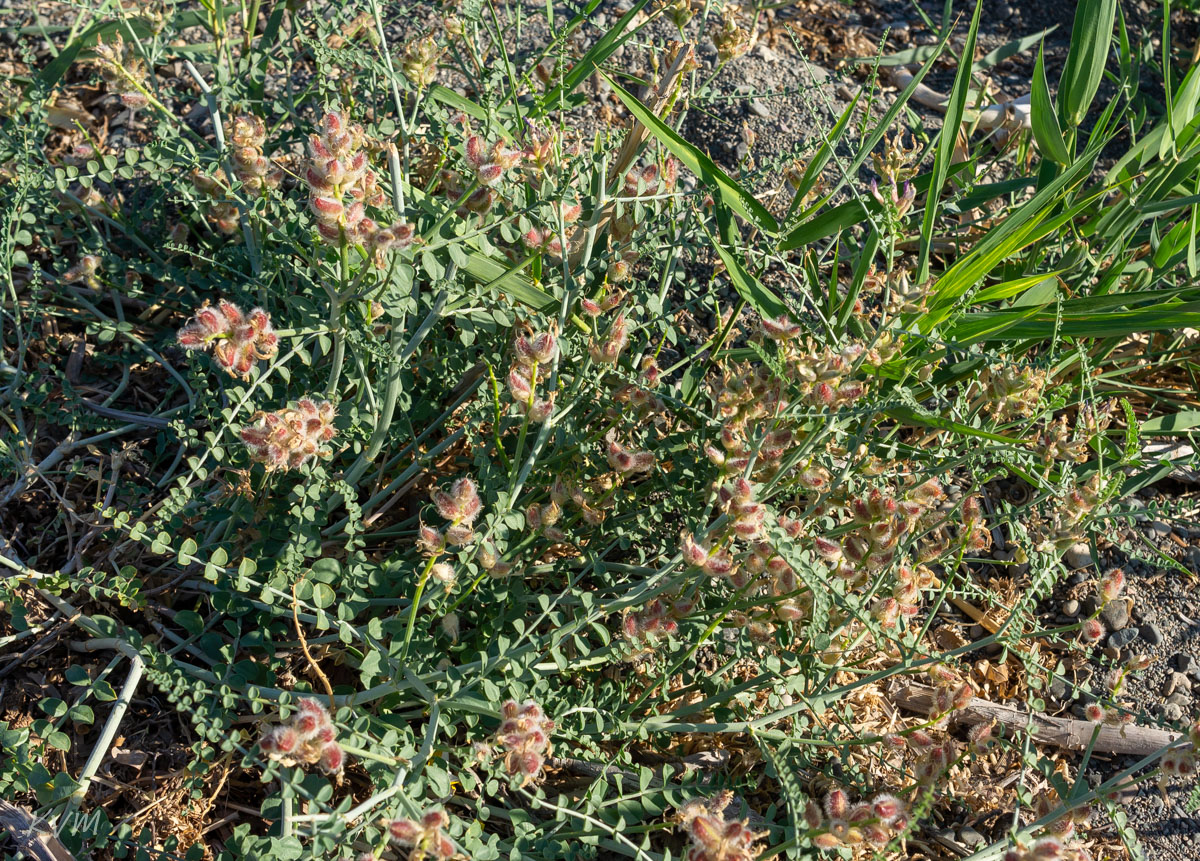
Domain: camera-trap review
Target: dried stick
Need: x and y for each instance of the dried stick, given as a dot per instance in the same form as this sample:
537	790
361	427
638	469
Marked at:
1014	113
316	668
32	834
1060	732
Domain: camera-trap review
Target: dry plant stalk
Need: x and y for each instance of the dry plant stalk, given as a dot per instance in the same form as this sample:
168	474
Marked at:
1061	732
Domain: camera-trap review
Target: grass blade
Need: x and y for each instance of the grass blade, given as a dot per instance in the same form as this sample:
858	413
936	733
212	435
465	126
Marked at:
1042	116
719	182
1090	38
955	108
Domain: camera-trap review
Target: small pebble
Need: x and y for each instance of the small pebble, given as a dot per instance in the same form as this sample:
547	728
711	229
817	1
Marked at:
1179	699
759	109
766	54
1157	527
976	632
1078	556
1176	682
1115	615
1172	711
1071	608
1151	634
968	836
1184	663
1058	688
1122	638
1193	558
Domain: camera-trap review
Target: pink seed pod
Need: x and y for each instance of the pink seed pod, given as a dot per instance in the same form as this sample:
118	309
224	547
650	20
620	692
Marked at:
530	763
859	813
285	739
888	808
312	706
1094	712
812	814
307	725
1112	584
435	820
1092	631
837	803
693	553
404	831
827	549
447	506
828	840
1048	849
333	758
920	740
780	329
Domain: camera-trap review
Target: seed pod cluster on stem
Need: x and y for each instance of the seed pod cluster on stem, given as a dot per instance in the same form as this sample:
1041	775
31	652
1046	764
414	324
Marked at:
236	338
289	438
524	737
715	838
308	738
839	823
424	838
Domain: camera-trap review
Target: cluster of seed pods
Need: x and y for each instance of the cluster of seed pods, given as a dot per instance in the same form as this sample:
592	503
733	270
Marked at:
534	354
1010	391
715	838
639	184
341	185
289	438
524	735
310	737
424	839
840	823
1180	761
123	69
236	338
460	505
247	135
648	627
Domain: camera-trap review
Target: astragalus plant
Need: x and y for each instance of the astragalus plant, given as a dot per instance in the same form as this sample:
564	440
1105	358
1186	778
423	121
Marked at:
557	497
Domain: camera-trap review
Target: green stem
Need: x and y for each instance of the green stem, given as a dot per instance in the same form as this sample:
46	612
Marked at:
285	803
450	210
335	323
416	605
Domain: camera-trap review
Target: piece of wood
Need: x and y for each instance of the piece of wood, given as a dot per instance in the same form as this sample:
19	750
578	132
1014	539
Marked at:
1061	732
31	834
1014	113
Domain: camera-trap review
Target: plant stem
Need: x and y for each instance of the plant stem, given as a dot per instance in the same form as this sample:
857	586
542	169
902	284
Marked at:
416	605
335	322
285	803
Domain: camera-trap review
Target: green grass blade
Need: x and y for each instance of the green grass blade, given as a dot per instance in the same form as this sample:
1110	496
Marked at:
1013	288
1046	130
590	62
1084	69
733	195
955	108
812	173
910	416
757	295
